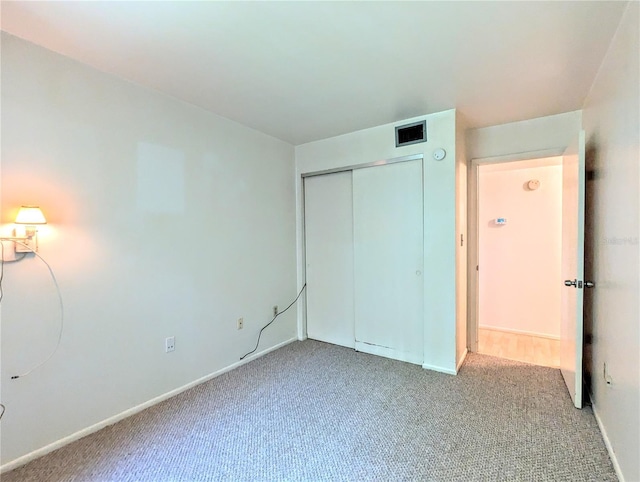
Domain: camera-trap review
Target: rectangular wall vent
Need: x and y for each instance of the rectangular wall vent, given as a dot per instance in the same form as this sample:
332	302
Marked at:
411	133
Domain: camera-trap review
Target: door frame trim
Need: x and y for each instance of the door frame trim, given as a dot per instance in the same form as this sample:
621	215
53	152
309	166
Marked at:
384	162
473	245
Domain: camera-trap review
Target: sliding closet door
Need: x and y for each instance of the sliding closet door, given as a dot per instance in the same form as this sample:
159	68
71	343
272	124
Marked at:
328	213
388	260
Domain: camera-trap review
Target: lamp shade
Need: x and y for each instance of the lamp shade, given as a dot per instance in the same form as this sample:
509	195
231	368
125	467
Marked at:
30	215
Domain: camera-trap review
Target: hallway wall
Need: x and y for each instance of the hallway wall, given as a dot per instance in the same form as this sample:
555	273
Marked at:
612	125
519	274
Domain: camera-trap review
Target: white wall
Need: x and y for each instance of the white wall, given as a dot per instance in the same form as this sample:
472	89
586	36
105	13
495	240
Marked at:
550	132
378	143
520	286
164	220
611	120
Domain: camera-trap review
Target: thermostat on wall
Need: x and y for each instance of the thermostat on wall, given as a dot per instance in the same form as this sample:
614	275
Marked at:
500	221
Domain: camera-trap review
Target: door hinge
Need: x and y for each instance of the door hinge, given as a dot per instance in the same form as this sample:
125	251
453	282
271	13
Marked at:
462	240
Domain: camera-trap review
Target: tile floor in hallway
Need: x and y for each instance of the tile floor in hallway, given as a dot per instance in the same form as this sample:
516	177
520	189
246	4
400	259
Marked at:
515	346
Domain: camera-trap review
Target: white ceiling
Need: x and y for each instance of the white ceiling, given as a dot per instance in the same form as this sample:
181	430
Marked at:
303	71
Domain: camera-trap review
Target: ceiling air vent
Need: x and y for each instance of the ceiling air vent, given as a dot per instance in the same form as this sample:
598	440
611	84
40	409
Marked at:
411	133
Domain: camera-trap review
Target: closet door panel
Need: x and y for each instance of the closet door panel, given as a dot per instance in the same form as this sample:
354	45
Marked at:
328	213
388	260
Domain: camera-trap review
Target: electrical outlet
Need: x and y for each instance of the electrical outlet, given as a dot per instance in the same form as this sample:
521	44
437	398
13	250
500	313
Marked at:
170	344
275	310
240	323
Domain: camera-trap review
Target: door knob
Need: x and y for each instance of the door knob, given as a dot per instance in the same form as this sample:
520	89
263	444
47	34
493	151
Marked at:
589	284
418	273
569	282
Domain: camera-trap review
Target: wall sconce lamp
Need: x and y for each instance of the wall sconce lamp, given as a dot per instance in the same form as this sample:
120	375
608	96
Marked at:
29	217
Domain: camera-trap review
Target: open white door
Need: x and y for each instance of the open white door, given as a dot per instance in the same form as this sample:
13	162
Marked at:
571	330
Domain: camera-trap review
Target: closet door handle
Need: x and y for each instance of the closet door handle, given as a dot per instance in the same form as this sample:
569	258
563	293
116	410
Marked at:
418	272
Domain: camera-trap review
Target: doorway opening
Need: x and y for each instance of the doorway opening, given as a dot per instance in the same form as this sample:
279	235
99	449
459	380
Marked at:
518	259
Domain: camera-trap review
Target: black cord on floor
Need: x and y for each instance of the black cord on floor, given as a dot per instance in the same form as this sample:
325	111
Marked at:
274	319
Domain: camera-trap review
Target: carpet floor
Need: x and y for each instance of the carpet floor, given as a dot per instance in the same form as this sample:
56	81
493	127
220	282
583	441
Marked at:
314	411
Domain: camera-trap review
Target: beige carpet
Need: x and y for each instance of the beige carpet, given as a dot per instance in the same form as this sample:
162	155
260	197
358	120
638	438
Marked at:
313	411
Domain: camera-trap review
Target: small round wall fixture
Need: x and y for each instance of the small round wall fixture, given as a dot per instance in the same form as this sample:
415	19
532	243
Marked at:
439	154
533	184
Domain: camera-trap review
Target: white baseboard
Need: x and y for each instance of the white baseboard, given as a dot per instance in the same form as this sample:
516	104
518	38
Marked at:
435	368
132	411
519	332
461	361
607	443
